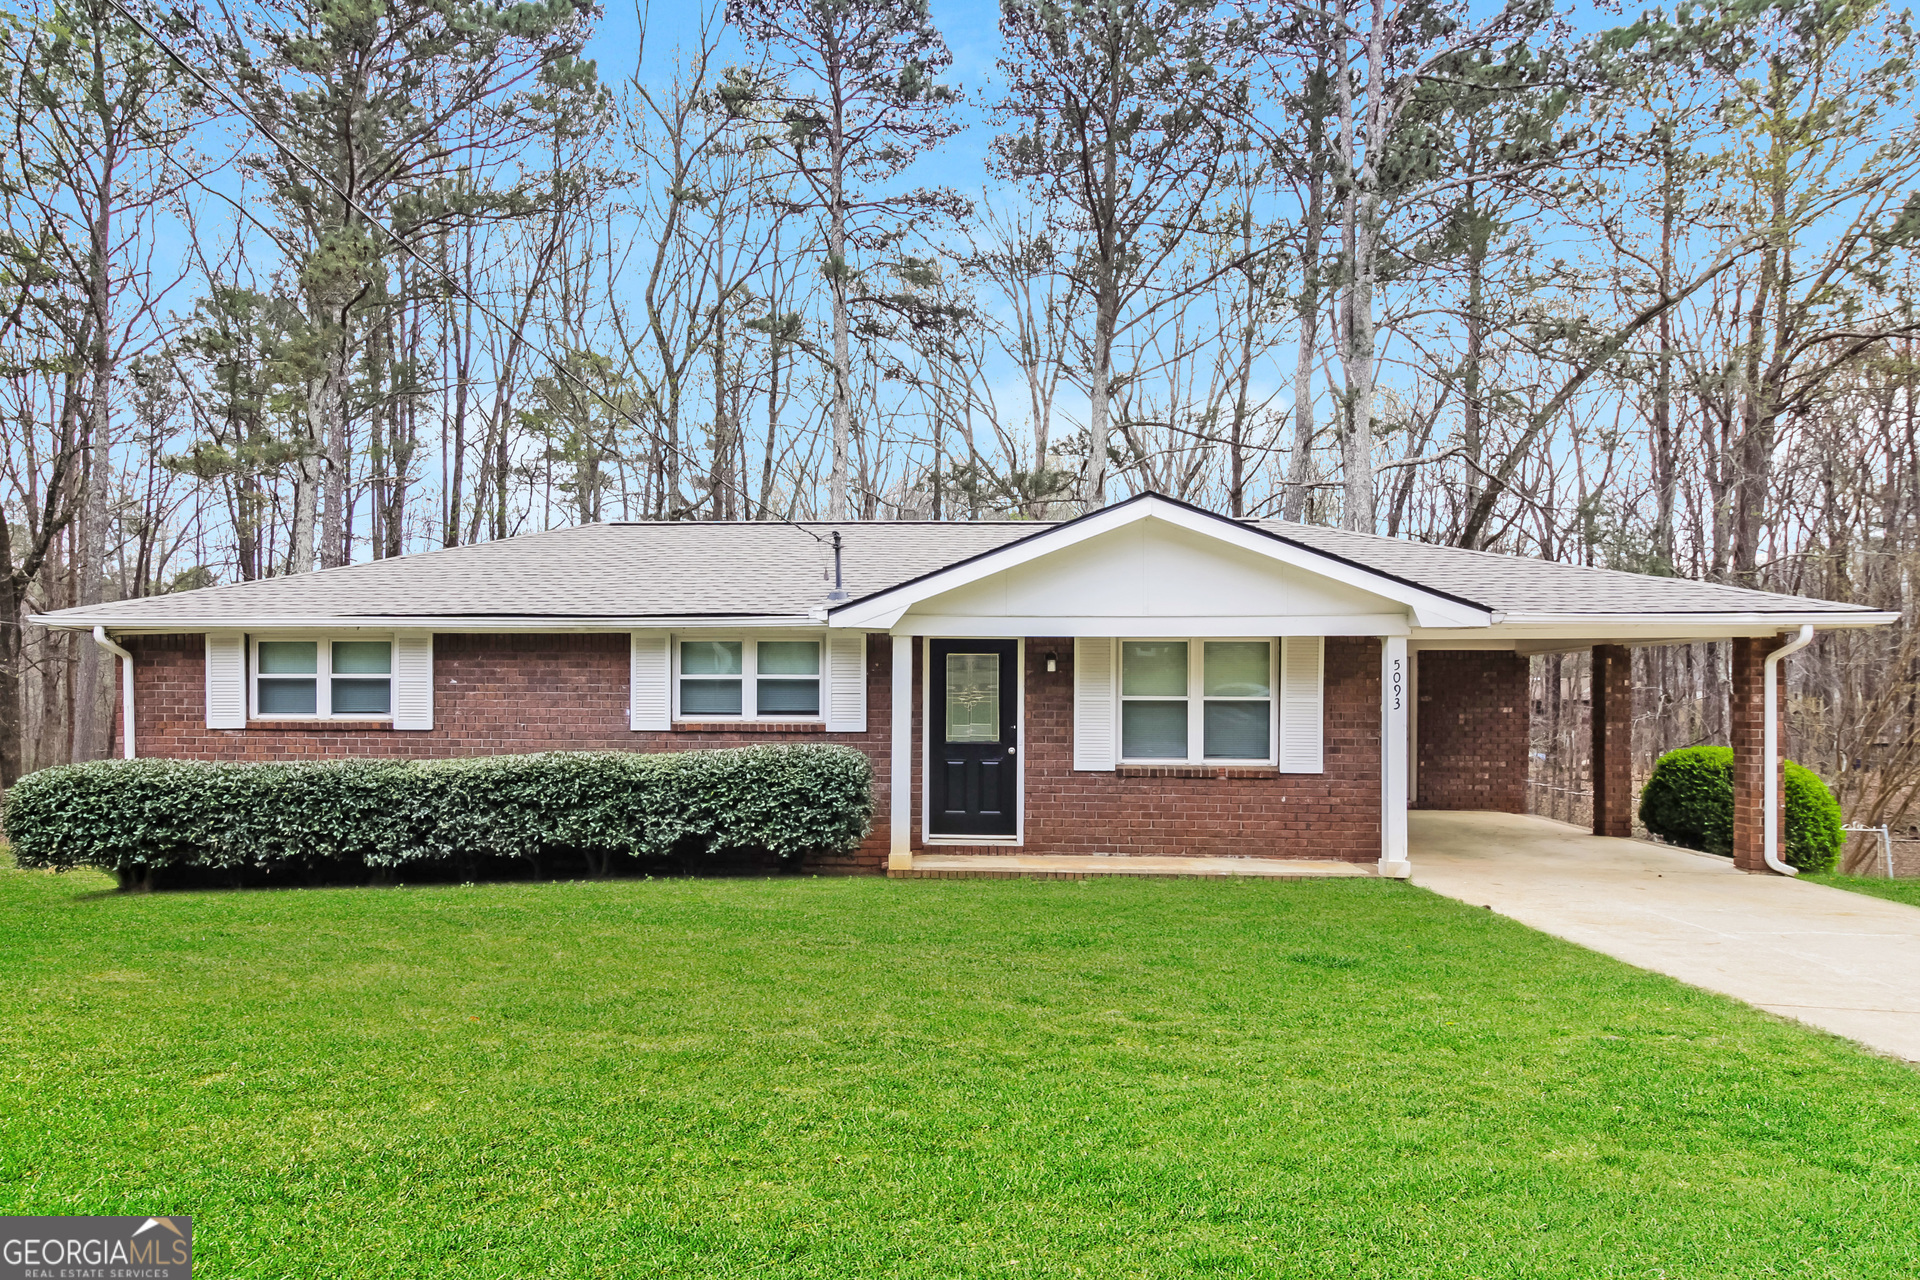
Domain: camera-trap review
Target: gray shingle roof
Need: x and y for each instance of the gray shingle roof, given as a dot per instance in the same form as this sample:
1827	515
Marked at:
679	570
1520	584
719	570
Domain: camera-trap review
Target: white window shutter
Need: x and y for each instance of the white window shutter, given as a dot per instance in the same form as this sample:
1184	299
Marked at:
650	683
413	680
1302	704
847	682
226	680
1094	704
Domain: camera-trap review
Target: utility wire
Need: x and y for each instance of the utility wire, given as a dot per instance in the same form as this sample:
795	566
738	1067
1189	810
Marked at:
451	282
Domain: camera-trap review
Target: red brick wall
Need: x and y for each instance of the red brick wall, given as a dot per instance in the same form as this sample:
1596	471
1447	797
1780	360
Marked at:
497	694
1196	812
492	695
1472	735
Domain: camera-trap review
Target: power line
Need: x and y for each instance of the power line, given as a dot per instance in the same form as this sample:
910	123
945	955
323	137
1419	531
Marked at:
451	282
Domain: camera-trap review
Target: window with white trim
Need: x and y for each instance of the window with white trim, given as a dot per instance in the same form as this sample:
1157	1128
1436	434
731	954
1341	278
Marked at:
322	678
746	679
1197	701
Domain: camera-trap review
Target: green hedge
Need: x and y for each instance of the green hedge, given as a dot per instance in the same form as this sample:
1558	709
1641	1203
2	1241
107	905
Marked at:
1689	801
133	817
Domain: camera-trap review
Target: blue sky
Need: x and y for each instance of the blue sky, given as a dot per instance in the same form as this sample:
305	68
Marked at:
971	28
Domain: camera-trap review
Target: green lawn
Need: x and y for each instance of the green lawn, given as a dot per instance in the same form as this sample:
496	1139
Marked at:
1907	891
843	1078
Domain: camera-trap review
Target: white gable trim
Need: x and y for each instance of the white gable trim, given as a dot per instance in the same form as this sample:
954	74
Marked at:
1221	625
885	609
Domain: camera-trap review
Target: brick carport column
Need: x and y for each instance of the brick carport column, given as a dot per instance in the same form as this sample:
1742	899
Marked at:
1747	726
1612	707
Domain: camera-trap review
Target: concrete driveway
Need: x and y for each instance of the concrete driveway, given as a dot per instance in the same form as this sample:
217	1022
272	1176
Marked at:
1841	961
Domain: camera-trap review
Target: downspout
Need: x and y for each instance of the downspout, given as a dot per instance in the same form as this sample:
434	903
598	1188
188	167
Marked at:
1770	753
126	685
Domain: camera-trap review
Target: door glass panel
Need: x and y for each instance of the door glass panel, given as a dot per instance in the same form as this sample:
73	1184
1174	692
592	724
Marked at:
1237	730
1237	669
1153	668
973	697
1153	730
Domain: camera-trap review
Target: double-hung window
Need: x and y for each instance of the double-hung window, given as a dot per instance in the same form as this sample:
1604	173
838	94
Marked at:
1196	701
322	679
747	679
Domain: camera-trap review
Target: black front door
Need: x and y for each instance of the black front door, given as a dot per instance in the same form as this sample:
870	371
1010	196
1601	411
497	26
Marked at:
974	787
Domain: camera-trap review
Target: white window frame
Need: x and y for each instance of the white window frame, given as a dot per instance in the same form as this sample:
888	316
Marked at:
1196	700
750	679
323	643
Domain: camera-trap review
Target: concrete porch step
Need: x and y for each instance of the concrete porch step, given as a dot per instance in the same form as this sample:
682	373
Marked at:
963	866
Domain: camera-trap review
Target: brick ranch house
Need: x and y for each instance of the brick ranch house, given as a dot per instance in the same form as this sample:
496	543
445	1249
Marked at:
1149	679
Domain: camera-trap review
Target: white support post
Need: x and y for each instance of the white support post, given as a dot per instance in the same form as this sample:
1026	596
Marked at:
900	783
1395	697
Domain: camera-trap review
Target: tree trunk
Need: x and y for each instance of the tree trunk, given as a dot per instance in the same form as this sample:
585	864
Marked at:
1356	360
842	362
306	489
1300	466
1473	422
338	473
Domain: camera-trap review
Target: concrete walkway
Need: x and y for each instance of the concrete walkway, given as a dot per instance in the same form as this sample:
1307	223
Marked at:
1841	961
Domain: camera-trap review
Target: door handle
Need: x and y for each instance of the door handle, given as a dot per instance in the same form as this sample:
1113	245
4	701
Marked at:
1011	750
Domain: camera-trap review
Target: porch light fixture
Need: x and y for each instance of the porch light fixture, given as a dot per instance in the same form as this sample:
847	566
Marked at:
1053	661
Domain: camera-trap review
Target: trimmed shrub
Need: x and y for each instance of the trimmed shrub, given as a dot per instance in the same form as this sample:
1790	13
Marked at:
1688	800
133	817
1815	831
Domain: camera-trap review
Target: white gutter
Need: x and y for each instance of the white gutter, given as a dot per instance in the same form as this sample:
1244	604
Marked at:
1770	753
126	684
1682	619
132	624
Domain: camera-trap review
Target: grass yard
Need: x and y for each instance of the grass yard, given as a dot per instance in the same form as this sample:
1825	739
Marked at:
1907	891
849	1078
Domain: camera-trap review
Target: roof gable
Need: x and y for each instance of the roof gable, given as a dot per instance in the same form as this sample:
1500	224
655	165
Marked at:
1151	557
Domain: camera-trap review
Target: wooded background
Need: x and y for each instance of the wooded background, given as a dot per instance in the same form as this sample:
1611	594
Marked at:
286	285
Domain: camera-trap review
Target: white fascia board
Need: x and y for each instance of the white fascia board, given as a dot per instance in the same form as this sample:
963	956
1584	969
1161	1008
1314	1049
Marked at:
1576	630
967	627
418	622
883	611
1825	619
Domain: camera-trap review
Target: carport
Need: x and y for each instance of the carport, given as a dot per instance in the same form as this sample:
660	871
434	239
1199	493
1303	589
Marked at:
1462	752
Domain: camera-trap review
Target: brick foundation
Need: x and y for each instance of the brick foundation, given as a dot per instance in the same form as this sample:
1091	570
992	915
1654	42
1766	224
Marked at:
1472	733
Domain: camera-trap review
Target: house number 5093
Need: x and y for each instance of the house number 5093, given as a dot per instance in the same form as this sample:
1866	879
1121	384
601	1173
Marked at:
1399	683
